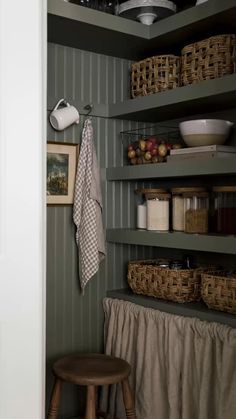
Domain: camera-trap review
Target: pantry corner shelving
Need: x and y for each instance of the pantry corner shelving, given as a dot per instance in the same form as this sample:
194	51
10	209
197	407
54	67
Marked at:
201	97
199	242
213	167
81	27
91	30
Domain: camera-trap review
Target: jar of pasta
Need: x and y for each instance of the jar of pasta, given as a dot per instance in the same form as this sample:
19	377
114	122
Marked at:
196	211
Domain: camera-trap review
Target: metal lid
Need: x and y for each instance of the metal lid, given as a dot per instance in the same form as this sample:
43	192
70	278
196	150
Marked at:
160	195
176	191
197	194
149	190
224	189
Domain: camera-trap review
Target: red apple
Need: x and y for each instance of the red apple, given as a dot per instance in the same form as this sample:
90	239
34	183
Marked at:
149	145
131	154
130	147
133	161
148	155
162	150
142	145
138	152
153	140
155	159
154	152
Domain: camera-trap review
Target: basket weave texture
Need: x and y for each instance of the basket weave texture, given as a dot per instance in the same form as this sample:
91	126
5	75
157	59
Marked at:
182	285
155	74
219	292
208	59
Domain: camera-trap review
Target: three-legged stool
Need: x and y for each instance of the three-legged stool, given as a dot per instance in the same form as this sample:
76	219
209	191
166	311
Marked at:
91	370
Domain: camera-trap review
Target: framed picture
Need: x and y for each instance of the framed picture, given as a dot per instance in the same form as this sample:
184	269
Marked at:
61	170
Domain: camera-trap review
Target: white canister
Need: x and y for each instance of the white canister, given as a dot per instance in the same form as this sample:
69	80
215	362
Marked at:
158	211
142	216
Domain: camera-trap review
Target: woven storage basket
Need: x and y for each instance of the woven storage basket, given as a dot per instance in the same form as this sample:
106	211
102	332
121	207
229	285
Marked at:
219	292
155	74
208	59
183	285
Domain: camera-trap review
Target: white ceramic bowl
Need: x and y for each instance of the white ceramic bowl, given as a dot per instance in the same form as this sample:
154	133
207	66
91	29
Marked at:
200	132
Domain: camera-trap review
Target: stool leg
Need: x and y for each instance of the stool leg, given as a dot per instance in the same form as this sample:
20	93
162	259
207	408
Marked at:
91	403
55	400
128	400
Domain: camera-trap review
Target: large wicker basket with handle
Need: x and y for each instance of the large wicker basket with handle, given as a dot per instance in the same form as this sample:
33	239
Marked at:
208	59
155	74
219	292
180	285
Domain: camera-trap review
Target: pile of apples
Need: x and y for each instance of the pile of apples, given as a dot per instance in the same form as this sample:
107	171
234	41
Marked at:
151	150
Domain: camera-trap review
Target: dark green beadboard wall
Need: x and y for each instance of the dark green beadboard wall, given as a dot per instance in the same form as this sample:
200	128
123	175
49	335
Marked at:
75	322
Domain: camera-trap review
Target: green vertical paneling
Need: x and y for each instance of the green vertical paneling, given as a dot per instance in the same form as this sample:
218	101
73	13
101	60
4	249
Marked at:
75	322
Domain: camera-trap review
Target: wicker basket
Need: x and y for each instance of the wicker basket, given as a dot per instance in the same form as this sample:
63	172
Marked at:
183	285
219	292
208	59
155	74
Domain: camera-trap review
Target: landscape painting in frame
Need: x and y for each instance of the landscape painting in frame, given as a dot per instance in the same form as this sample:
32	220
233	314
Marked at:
61	170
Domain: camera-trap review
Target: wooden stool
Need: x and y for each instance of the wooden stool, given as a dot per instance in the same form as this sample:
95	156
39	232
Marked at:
91	370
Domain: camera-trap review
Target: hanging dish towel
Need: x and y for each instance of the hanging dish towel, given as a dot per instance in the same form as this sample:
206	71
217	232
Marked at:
87	213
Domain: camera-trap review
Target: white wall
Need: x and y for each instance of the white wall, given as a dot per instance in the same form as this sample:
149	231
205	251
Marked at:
22	207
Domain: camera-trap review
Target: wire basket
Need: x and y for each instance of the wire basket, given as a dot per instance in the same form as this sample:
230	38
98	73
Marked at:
208	59
141	146
155	74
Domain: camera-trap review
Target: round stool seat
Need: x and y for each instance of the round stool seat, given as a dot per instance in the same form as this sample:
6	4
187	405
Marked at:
91	369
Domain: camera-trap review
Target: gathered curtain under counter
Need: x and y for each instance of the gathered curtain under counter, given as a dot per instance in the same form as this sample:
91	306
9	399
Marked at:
182	367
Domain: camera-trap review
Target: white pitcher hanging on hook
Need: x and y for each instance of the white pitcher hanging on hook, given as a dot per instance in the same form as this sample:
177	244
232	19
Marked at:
62	118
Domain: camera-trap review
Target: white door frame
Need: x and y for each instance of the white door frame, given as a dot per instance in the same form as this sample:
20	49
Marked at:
22	207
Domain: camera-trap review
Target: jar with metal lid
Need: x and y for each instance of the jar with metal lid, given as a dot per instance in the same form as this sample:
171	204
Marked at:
196	211
224	210
141	209
178	209
158	210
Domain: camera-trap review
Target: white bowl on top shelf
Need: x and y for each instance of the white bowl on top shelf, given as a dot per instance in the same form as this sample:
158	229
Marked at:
201	132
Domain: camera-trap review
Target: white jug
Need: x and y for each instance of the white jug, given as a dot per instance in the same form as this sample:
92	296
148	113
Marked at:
64	117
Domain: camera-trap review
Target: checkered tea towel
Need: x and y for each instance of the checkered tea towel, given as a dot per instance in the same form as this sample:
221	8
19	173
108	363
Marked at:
87	213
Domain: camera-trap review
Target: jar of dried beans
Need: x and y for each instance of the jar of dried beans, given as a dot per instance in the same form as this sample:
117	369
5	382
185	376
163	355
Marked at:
223	214
196	211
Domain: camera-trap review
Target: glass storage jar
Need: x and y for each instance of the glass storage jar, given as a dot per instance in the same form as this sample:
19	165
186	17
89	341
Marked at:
158	210
141	219
224	210
196	211
178	209
178	206
142	206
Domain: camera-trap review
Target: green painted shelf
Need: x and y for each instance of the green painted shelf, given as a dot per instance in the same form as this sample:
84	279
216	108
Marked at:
200	242
213	167
206	96
198	309
84	28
